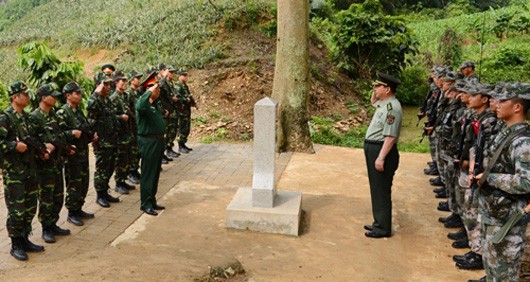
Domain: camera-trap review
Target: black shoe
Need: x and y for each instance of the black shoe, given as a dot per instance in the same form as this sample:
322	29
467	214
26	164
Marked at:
47	235
460	258
368	227
436	181
483	279
28	246
187	148
121	188
460	234
473	262
372	234
172	154
438	190
431	171
150	211
17	249
111	199
441	195
430	164
183	149
452	216
74	219
443	206
165	157
159	207
460	244
56	230
164	161
454	223
133	179
128	186
83	214
103	202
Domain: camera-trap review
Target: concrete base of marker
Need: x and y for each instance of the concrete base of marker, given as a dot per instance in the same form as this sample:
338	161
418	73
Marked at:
283	218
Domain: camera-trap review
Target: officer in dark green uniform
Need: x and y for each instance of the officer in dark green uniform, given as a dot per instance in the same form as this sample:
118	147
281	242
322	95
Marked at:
380	150
19	171
151	144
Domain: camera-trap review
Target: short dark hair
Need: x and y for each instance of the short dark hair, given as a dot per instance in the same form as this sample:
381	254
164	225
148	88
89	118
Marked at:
524	103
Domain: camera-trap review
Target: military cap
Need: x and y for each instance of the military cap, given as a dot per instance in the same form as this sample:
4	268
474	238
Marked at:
107	69
149	70
183	72
149	80
386	80
453	76
119	75
514	90
71	87
135	73
467	64
497	89
162	66
171	68
48	90
482	89
101	78
17	87
440	71
459	85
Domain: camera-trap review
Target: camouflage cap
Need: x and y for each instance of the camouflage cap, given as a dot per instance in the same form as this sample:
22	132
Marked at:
17	87
135	73
183	72
48	90
171	68
150	70
71	87
483	89
467	64
459	85
441	71
162	66
514	90
119	75
497	89
452	76
101	78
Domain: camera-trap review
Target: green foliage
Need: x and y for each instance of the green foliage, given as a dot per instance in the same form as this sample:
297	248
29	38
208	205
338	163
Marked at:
365	40
450	47
353	107
413	86
14	10
508	63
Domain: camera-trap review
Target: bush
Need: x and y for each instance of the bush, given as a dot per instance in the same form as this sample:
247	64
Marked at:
508	63
450	47
414	85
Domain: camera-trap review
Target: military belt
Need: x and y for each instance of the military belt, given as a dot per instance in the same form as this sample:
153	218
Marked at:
156	136
373	142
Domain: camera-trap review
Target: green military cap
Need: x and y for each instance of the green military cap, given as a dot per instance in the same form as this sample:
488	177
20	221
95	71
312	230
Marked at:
386	80
101	78
452	76
48	90
135	73
162	66
183	72
150	70
71	87
119	75
107	69
467	64
171	68
17	87
514	90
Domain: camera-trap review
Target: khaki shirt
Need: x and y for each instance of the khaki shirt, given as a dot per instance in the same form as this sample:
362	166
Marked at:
386	120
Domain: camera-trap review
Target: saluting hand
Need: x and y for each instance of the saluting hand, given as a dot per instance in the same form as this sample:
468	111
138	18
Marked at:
77	133
21	147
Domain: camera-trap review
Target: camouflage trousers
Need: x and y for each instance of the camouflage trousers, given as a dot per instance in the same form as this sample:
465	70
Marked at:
77	182
134	158
20	194
172	126
432	146
122	161
51	194
502	262
470	214
105	158
450	184
184	127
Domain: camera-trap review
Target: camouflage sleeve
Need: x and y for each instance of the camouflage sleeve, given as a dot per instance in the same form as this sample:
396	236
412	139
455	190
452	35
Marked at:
6	145
63	124
92	109
518	183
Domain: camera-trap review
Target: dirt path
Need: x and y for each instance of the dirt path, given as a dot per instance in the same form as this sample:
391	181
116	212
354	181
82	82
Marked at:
189	236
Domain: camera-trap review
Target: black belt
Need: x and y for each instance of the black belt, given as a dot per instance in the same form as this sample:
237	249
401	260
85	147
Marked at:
157	136
373	142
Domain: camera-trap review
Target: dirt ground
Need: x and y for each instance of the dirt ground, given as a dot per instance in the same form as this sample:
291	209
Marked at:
190	235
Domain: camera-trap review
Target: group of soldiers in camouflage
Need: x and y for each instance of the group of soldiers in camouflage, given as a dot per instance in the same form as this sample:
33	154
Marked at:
41	148
480	147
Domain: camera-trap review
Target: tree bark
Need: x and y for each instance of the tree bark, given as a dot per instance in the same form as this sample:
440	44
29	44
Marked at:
291	77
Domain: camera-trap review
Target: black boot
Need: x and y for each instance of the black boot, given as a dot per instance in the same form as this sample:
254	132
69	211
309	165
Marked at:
59	231
443	206
132	177
109	198
29	246
129	187
47	235
83	214
167	158
453	216
121	188
182	148
17	250
433	170
186	147
474	261
441	195
460	258
454	222
461	244
460	234
437	181
483	279
171	153
102	200
439	189
74	218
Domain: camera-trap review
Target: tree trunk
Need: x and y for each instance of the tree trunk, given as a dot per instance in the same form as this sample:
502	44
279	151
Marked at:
291	77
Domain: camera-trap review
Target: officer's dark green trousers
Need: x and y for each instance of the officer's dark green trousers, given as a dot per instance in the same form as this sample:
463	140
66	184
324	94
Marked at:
151	150
381	185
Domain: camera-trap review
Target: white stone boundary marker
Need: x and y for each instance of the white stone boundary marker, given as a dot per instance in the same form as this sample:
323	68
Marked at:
263	208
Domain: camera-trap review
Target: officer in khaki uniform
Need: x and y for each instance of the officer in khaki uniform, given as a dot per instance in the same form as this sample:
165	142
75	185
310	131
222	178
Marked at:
380	150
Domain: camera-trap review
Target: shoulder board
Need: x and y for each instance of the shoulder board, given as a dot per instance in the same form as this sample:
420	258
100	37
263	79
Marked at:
389	106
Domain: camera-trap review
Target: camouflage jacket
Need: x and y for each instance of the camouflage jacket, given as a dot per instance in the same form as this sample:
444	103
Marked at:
502	193
70	119
46	128
131	96
102	120
487	121
452	116
166	93
470	137
120	107
13	128
185	99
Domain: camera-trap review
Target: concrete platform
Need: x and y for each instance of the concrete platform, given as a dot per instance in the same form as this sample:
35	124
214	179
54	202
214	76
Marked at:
283	218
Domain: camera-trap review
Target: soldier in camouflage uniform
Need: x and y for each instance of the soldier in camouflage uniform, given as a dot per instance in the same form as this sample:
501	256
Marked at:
76	128
131	96
104	123
19	172
166	101
122	112
186	101
425	111
504	185
43	123
468	70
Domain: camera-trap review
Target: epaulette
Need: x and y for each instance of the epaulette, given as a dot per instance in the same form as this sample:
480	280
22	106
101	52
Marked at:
389	106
